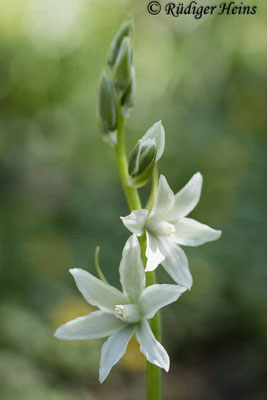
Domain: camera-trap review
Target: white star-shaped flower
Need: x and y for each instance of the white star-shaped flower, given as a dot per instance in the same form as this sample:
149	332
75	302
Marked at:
121	314
167	227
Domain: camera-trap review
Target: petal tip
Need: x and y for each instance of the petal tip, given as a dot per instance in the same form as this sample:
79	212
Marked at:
167	368
57	333
102	375
73	271
184	289
150	268
217	234
188	286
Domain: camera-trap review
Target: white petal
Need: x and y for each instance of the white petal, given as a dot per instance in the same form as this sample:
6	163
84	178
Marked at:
135	221
157	296
176	263
97	292
114	348
132	275
192	233
164	200
187	198
92	326
156	132
150	347
153	252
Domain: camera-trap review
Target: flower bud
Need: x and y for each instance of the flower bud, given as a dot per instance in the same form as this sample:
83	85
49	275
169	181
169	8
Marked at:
142	161
107	110
128	99
122	71
125	31
156	132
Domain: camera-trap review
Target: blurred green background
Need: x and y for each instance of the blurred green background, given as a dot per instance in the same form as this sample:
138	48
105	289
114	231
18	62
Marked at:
61	197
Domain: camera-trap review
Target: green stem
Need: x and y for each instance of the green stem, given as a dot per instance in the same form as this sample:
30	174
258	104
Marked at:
153	373
155	179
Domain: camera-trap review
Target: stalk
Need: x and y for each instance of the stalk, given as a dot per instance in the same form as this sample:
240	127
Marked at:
154	187
153	373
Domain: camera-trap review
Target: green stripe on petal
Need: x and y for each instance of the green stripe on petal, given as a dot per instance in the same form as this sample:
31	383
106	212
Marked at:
156	132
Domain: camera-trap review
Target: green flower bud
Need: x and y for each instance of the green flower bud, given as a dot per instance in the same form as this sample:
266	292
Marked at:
141	163
125	31
122	71
156	132
128	99
107	110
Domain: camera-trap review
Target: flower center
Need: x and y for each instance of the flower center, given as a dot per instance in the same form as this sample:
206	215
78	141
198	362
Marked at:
128	313
160	228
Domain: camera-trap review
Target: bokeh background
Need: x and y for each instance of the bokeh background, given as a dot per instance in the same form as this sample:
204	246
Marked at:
61	197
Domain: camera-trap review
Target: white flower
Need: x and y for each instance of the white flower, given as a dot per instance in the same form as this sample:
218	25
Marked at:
121	314
166	228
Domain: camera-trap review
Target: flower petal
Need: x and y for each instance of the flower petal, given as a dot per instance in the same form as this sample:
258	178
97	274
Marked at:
164	200
192	233
97	292
135	221
157	296
132	275
153	252
114	348
175	262
156	132
92	326
150	347
187	198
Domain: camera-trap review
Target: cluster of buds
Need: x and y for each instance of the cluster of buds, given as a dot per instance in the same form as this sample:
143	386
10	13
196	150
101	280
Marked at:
117	89
116	97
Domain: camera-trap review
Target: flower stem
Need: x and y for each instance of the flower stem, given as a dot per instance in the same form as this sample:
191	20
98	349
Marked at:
153	373
154	187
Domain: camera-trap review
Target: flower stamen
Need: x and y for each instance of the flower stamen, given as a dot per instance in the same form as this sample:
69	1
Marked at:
128	313
161	228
